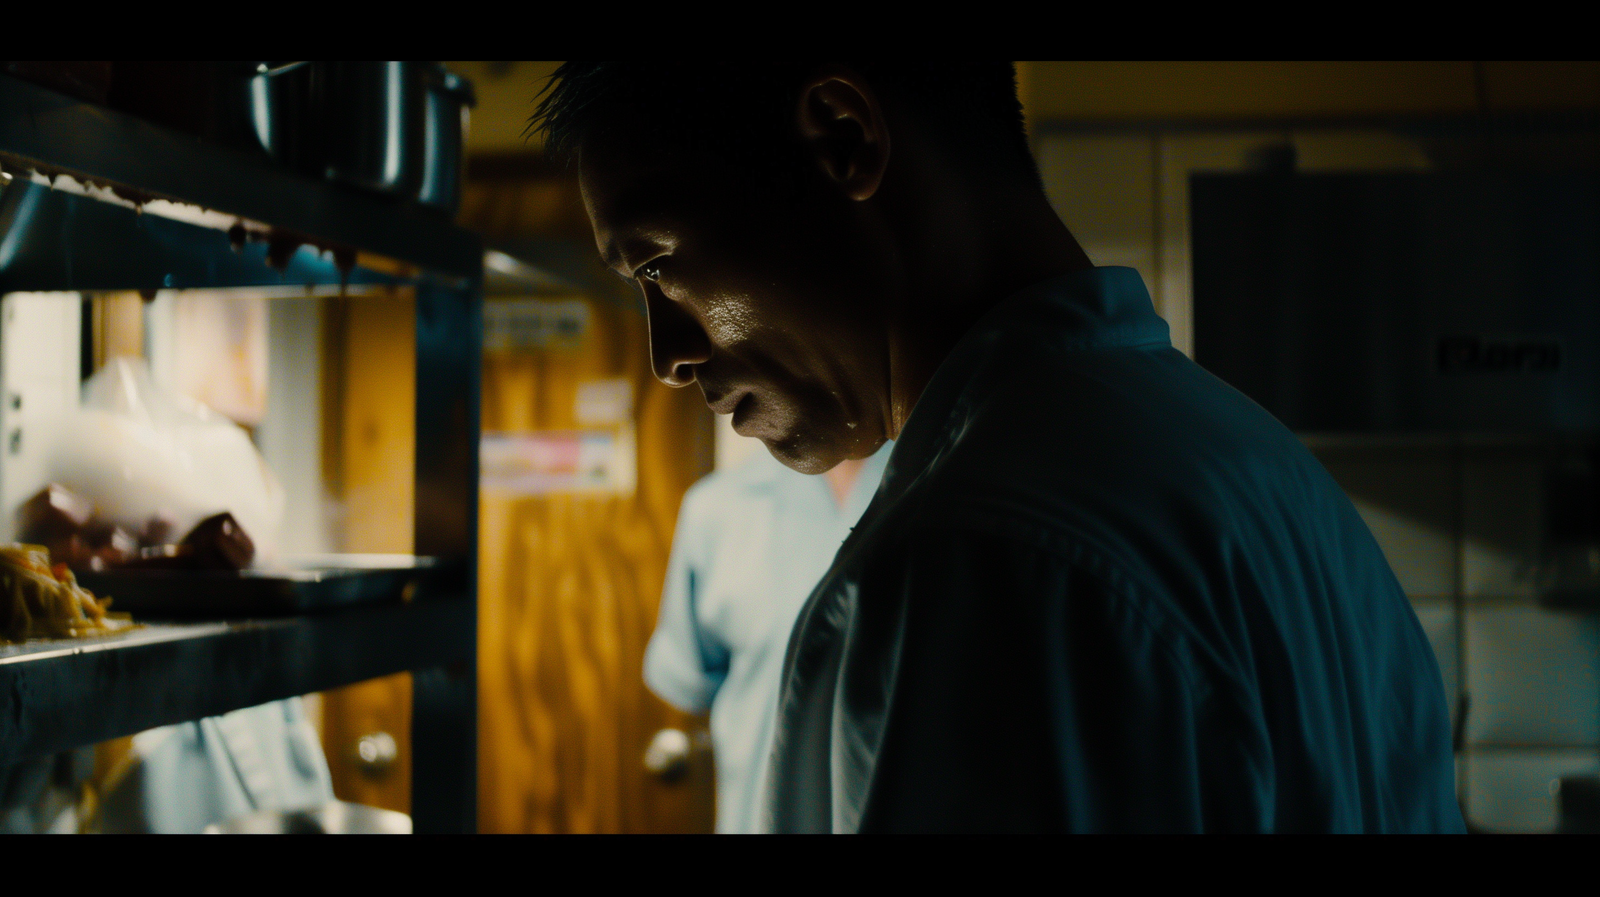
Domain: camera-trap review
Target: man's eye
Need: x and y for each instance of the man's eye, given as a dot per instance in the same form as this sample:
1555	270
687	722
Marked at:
649	272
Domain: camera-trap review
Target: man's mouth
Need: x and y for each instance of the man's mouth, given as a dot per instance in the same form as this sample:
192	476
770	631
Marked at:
739	402
742	414
725	403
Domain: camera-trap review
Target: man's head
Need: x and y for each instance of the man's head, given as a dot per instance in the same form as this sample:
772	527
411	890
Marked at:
784	257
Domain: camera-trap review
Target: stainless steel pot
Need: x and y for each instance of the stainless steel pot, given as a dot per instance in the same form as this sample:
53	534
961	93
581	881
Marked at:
449	102
210	100
369	121
360	123
277	100
389	127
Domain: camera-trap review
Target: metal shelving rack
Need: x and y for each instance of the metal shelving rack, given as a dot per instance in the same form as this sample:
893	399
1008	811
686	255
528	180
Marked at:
60	695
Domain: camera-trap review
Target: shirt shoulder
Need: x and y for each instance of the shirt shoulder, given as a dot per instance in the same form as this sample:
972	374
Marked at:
995	552
1114	715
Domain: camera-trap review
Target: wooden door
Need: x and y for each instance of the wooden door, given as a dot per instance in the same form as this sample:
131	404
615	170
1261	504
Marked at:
570	581
369	366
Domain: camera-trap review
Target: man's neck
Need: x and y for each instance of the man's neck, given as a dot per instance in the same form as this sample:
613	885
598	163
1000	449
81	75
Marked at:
842	478
1009	242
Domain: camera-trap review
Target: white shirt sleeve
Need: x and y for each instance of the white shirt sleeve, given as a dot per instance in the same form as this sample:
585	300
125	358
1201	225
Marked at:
684	664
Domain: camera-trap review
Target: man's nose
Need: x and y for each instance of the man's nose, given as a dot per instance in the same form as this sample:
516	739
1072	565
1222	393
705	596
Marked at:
677	341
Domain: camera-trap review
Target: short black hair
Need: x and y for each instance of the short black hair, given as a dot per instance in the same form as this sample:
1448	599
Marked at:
741	112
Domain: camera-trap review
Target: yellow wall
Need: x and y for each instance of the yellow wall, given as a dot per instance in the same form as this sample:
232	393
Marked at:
1218	91
1527	86
505	93
1209	91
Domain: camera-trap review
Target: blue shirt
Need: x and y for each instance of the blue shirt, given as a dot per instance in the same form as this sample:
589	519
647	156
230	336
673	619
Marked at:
185	777
1101	590
179	779
750	545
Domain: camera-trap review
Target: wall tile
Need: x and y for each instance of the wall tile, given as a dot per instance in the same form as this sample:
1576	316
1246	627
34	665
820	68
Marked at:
1408	499
1439	622
1502	513
1177	157
1358	150
1103	187
1510	791
1531	676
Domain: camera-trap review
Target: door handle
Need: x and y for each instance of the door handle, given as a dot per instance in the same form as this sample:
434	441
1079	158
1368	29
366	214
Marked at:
667	757
376	752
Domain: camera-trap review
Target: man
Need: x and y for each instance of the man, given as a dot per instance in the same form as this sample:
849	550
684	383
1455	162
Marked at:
1098	589
751	543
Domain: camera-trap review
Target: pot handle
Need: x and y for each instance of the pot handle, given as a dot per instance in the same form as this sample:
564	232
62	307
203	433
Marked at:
262	69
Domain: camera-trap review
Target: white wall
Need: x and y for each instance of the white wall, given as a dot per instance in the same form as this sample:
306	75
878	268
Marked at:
290	435
40	338
1461	525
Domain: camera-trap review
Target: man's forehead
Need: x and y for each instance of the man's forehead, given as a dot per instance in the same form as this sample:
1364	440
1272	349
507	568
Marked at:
631	193
619	203
619	147
615	188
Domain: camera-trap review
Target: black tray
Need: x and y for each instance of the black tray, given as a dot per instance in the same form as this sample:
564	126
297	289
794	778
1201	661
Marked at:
287	587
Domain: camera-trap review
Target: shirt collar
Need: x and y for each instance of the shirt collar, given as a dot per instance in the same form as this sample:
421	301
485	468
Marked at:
866	484
1094	308
761	470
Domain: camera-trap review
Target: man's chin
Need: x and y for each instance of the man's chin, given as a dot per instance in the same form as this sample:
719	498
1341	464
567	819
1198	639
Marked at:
797	456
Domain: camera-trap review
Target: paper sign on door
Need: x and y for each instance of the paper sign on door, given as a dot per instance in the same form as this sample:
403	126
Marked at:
550	462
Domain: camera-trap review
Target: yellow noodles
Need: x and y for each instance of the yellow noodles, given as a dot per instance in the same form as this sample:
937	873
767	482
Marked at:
38	600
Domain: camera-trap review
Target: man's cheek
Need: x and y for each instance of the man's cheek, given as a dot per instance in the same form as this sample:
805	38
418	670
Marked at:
730	319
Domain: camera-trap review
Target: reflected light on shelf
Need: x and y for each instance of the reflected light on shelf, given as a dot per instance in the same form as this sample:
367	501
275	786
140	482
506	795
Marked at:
176	211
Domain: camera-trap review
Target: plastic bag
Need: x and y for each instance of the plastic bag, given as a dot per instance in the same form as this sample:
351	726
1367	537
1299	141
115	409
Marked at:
138	451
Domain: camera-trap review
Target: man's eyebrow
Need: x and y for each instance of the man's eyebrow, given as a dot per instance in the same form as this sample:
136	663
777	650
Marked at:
610	255
617	250
630	229
613	257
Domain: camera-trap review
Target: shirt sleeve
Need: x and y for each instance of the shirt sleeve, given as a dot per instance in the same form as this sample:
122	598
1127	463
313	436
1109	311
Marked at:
1034	691
683	664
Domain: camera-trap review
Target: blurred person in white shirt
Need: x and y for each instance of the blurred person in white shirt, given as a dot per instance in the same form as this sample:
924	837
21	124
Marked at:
752	541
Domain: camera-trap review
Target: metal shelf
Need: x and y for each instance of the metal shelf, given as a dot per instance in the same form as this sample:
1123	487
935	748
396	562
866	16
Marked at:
54	133
46	232
68	692
60	695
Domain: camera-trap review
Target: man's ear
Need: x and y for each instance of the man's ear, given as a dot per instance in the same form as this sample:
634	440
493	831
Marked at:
842	123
